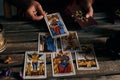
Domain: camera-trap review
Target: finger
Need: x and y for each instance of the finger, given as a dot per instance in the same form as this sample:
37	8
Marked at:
45	12
39	17
40	9
87	16
35	17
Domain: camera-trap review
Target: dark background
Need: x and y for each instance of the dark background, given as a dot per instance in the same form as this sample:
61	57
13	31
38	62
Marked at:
98	5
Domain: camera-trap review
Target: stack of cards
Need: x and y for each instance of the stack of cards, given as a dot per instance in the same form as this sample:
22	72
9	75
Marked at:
86	59
56	25
62	64
78	14
34	65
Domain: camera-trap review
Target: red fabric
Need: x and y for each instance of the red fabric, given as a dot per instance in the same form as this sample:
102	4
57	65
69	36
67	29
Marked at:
68	68
61	69
65	70
74	2
57	30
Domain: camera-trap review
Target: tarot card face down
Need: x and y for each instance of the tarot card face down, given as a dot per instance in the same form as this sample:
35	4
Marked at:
86	59
62	64
70	42
46	43
79	15
56	25
35	65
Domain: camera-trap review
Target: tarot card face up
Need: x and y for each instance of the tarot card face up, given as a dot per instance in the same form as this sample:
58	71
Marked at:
56	25
70	42
46	43
86	59
62	64
34	65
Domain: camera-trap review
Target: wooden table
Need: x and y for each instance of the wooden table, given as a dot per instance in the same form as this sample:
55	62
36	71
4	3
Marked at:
22	36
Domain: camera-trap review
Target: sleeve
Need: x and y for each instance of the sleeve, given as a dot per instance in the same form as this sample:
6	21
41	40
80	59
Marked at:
22	4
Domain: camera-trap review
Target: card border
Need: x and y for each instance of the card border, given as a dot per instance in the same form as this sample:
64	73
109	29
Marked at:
65	28
66	74
61	40
40	77
94	68
55	43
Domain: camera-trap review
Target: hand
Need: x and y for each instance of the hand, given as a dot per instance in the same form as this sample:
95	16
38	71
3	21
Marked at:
35	11
90	11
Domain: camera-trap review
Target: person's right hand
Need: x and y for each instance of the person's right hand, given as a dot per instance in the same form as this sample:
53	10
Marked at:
35	11
90	10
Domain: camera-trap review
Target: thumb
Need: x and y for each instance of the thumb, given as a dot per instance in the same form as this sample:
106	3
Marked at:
87	16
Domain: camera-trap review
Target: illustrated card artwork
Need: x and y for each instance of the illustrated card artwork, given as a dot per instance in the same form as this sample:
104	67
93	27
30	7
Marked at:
34	65
86	59
62	64
70	42
46	43
56	25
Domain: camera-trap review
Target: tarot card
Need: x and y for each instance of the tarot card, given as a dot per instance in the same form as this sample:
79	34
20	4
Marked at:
70	42
34	65
46	43
78	13
86	59
62	64
56	25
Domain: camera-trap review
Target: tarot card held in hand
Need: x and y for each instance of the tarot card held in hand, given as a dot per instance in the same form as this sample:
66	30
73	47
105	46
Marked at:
46	43
70	42
62	64
86	59
78	14
34	65
56	25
